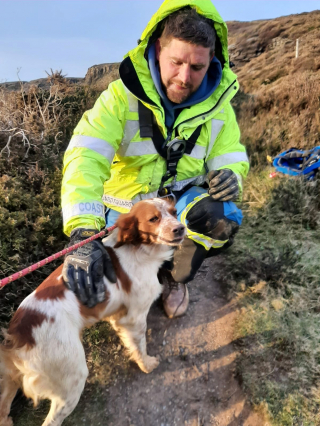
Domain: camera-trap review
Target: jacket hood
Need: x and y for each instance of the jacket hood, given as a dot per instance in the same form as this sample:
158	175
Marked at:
134	69
203	7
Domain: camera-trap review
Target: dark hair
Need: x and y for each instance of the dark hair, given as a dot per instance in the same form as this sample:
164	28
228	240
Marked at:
187	25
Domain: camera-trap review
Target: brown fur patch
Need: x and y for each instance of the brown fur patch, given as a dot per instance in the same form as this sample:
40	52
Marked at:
21	326
53	287
121	274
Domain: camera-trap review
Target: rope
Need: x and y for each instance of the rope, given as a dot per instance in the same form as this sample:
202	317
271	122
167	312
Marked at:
55	256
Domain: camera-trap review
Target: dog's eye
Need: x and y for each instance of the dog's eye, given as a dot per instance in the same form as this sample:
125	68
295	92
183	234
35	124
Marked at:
154	219
174	213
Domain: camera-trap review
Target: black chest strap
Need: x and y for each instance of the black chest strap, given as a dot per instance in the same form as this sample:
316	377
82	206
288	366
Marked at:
171	151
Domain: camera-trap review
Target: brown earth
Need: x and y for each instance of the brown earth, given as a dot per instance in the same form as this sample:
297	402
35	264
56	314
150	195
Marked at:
194	385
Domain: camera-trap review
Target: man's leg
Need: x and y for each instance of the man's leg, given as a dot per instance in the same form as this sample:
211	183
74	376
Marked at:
213	225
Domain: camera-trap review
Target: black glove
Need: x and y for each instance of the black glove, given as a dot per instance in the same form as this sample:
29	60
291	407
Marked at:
223	185
84	268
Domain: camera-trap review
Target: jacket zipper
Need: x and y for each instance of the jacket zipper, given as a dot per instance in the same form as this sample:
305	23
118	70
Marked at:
210	110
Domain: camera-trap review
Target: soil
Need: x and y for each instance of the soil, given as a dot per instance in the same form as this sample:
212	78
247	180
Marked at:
194	385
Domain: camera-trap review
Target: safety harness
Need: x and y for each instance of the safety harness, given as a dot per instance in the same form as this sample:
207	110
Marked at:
171	151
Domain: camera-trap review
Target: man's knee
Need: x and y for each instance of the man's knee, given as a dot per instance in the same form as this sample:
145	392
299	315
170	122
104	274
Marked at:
215	219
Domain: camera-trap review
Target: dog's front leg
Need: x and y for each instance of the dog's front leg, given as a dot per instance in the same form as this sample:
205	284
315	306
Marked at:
132	331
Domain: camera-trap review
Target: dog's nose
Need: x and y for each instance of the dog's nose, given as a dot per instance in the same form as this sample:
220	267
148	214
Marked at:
179	231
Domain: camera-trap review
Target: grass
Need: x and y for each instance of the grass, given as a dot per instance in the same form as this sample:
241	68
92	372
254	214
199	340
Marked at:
273	273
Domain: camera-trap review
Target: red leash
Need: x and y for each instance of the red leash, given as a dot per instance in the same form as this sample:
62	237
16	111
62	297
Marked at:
55	256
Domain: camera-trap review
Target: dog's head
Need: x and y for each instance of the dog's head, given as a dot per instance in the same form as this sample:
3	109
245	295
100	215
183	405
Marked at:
150	222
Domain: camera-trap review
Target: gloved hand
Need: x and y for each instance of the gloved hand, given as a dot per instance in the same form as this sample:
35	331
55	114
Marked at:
223	185
84	268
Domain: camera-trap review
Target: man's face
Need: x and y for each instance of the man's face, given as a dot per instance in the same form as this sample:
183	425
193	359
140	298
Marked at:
182	68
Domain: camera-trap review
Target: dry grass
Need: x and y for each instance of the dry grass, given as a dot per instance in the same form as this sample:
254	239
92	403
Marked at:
279	103
264	51
281	116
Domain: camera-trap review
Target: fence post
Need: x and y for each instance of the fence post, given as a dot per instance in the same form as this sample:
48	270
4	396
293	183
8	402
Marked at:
297	48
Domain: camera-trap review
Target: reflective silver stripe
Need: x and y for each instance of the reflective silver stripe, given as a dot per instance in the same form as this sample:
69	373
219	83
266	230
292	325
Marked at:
216	126
131	128
115	201
208	243
198	152
141	148
128	204
98	145
132	101
148	196
197	180
226	160
87	207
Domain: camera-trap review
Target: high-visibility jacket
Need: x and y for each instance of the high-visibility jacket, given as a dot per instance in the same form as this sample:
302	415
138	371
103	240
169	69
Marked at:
107	163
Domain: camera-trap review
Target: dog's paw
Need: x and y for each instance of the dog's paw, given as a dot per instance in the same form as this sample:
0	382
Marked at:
149	364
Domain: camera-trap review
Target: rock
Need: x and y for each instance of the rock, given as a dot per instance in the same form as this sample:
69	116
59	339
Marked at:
100	76
42	83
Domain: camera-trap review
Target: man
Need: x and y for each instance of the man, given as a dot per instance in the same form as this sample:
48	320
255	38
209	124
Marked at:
166	128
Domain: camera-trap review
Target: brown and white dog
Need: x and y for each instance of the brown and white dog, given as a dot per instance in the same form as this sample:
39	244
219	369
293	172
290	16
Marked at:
43	352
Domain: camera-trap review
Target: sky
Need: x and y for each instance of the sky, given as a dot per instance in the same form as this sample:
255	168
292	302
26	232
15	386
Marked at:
73	35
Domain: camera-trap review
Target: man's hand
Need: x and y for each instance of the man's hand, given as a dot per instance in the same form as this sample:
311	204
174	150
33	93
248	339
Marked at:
223	185
84	268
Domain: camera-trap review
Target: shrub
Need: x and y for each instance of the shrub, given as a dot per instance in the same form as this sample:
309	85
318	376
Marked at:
35	128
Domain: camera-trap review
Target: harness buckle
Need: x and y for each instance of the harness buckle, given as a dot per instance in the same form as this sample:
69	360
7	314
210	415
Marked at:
176	149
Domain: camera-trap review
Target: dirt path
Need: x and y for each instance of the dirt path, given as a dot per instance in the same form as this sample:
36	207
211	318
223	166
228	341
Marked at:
194	384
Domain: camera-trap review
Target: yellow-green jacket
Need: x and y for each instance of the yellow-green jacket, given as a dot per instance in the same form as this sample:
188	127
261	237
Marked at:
107	163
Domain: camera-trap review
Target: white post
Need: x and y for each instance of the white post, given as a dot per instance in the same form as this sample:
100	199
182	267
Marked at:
297	48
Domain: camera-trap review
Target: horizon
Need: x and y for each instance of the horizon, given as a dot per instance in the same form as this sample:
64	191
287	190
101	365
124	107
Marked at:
74	38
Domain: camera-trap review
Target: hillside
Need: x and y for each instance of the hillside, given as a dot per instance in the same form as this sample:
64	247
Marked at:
264	51
280	93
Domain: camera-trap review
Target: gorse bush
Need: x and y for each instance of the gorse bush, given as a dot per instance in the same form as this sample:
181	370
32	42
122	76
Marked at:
40	122
35	128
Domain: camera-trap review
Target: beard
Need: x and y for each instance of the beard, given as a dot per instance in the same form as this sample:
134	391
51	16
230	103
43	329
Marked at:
176	95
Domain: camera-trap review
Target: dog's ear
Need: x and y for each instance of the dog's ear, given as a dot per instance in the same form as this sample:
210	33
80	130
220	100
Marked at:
128	230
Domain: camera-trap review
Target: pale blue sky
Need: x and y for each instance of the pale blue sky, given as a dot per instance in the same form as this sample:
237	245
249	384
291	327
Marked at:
72	35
